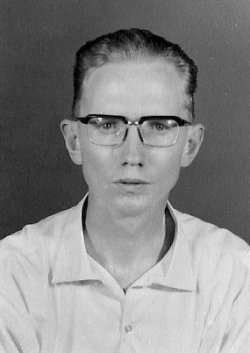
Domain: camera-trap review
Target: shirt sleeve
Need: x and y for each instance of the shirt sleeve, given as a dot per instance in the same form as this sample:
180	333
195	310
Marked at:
236	338
17	332
226	326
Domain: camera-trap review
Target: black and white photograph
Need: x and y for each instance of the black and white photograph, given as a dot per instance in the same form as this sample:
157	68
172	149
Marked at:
125	176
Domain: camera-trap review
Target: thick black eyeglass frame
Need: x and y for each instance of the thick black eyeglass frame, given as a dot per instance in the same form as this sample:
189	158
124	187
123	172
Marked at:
180	122
87	118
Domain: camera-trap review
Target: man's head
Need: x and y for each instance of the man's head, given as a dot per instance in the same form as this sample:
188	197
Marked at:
132	44
133	80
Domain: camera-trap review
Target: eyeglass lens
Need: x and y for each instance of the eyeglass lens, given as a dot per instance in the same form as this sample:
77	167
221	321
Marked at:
111	131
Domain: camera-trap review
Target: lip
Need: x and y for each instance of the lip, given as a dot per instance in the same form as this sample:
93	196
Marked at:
131	181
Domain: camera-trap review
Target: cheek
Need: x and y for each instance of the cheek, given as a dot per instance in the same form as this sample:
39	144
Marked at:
168	166
95	165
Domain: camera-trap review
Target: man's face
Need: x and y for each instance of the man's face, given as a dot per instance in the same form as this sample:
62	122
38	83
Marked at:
132	177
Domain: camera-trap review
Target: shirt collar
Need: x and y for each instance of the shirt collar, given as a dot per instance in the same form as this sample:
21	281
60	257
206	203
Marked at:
179	273
71	261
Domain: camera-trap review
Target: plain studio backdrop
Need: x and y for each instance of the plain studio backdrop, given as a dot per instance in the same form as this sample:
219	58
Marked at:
37	47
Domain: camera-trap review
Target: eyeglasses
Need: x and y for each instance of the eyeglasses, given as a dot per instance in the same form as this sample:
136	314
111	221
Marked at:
112	130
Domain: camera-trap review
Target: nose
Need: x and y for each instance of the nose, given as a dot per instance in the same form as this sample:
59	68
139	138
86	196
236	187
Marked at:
133	150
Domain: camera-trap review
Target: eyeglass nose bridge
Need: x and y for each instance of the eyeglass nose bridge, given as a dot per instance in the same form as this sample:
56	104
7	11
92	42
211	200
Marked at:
137	124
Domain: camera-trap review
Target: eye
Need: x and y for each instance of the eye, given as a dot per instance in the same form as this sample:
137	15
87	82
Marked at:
159	125
104	123
107	125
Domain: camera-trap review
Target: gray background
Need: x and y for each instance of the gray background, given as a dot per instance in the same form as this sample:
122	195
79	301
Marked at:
38	42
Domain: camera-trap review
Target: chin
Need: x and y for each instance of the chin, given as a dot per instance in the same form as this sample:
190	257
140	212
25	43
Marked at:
129	205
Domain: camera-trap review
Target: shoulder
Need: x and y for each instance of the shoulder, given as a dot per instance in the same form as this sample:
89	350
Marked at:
34	245
207	236
217	254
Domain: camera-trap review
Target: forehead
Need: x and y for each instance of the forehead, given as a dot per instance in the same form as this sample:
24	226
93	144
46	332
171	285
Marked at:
141	87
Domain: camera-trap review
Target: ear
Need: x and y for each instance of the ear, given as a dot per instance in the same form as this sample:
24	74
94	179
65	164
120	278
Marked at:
69	130
193	143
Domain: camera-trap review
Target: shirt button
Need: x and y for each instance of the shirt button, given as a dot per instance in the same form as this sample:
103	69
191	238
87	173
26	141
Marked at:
128	328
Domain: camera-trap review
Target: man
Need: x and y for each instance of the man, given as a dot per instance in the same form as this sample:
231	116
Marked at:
123	271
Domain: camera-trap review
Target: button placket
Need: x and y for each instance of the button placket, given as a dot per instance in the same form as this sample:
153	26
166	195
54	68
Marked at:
127	326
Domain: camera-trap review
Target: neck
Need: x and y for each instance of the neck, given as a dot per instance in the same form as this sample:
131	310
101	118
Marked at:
131	243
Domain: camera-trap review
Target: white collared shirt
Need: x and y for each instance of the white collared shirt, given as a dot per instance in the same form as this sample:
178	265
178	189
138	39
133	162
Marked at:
54	298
